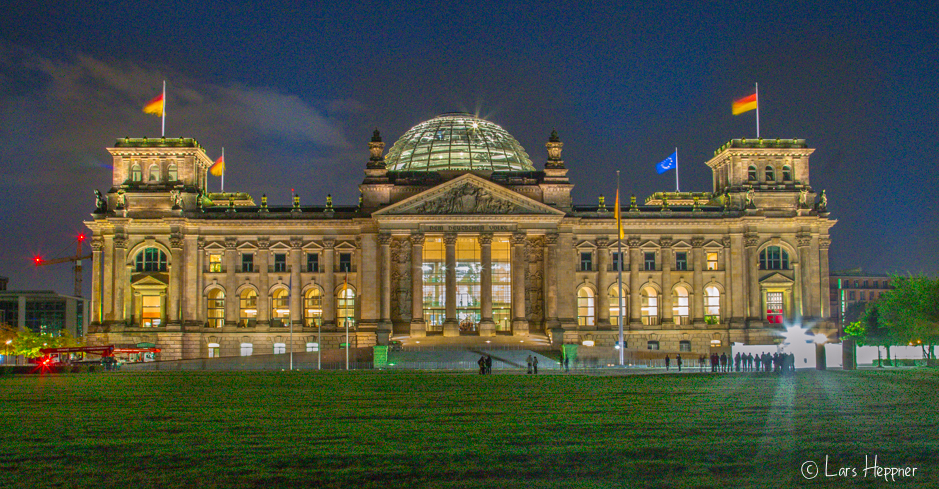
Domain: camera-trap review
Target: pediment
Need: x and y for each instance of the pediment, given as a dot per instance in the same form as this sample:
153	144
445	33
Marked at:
149	282
215	246
681	244
776	279
468	194
714	245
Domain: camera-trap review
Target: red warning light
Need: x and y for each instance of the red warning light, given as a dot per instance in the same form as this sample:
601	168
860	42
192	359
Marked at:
81	237
37	260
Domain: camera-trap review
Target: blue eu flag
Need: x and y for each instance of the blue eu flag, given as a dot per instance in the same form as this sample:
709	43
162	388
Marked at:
668	163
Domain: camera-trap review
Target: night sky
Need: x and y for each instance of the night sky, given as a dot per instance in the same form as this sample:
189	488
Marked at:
293	94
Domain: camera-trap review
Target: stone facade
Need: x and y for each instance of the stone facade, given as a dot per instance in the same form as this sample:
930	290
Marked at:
699	270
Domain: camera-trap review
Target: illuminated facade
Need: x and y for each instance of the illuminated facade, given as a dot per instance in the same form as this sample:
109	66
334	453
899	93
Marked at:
457	235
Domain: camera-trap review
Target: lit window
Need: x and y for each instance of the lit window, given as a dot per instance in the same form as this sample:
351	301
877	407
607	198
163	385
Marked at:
215	263
649	262
681	260
650	306
770	174
712	305
151	311
215	308
585	307
280	262
135	174
280	348
680	309
614	305
313	308
775	258
712	260
774	307
171	173
280	308
151	260
345	309
311	347
247	349
154	173
248	302
215	350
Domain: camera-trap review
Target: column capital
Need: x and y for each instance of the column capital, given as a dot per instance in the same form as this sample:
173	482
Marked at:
665	242
485	238
752	239
417	239
329	243
519	238
726	241
264	242
97	243
296	242
603	242
804	240
200	243
384	239
231	243
551	239
697	242
176	241
120	241
824	243
449	239
633	241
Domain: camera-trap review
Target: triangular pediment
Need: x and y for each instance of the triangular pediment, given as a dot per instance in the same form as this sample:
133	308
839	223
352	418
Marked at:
776	279
468	194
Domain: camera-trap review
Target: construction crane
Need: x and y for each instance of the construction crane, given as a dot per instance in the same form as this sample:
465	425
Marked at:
77	259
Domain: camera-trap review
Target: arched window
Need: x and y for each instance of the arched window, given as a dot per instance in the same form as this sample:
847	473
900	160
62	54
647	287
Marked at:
215	308
135	174
680	309
770	174
787	173
774	258
712	305
151	260
280	308
751	173
248	307
614	305
154	173
313	308
586	311
172	174
345	309
650	306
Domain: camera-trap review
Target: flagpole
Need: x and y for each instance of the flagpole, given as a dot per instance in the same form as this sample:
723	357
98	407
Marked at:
223	170
163	123
757	85
619	249
676	170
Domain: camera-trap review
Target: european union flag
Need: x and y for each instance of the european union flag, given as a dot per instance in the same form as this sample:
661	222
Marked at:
667	164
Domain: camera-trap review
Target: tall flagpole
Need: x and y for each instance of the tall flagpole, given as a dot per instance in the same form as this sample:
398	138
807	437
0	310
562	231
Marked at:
163	123
676	170
223	169
291	324
757	85
619	249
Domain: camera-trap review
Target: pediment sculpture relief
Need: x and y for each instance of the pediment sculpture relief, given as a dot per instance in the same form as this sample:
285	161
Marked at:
470	199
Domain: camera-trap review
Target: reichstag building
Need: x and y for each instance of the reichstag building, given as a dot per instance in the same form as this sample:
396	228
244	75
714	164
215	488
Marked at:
458	235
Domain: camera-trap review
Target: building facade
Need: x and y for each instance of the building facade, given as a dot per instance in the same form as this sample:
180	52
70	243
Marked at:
850	287
44	311
457	234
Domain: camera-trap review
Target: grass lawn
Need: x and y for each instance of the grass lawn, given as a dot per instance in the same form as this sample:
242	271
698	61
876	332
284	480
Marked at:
381	429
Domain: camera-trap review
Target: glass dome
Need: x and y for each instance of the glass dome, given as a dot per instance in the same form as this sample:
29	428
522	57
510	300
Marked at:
457	141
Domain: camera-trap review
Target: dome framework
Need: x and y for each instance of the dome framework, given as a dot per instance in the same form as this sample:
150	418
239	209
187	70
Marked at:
457	141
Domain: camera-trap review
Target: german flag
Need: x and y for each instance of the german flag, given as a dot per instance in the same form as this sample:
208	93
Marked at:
745	104
155	106
219	167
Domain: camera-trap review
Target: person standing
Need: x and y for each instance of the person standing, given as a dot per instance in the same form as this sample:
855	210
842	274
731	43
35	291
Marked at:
488	364
723	362
567	364
678	361
668	361
534	364
737	362
482	365
529	363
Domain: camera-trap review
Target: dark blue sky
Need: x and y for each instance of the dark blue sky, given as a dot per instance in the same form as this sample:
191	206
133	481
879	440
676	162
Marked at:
293	91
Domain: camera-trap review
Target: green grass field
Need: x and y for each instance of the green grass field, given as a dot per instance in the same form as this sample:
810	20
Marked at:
379	429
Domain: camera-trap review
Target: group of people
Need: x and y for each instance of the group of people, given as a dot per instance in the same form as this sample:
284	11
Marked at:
485	365
668	362
764	362
532	364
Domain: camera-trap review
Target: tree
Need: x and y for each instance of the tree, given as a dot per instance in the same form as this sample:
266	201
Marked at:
911	312
27	343
870	330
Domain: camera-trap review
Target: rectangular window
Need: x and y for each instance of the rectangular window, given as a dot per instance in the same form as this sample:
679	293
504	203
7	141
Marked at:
345	262
712	260
215	263
876	284
865	284
586	262
684	346
280	262
871	295
774	307
649	260
851	295
247	262
618	262
247	349
312	262
681	260
653	345
280	348
855	284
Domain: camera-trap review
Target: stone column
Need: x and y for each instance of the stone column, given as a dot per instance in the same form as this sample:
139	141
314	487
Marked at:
823	275
175	286
121	278
296	286
329	283
519	321
753	278
264	282
201	312
107	282
191	290
97	245
734	308
567	293
418	328
486	325
232	301
697	280
384	324
551	281
450	325
667	312
635	263
603	299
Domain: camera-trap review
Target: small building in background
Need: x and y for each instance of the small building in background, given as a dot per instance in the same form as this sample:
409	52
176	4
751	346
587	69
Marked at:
848	287
43	311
